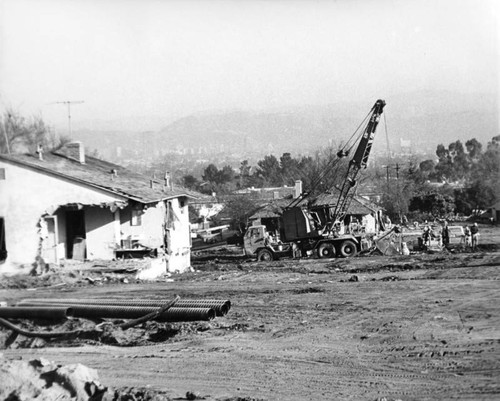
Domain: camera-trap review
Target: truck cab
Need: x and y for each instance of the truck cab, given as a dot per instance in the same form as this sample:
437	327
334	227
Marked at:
258	242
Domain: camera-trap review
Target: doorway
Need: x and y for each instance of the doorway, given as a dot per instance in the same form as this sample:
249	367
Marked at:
75	234
3	248
49	243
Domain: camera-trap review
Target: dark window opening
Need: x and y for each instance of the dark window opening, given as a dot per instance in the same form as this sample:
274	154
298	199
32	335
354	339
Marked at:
3	248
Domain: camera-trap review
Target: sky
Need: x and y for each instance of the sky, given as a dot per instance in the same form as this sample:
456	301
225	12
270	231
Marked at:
132	58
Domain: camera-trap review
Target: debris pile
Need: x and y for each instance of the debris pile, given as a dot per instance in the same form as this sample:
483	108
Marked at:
44	380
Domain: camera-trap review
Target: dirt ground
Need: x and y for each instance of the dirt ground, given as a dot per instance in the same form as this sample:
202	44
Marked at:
418	327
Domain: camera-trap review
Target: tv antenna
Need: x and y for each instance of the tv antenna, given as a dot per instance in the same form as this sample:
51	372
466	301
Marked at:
69	103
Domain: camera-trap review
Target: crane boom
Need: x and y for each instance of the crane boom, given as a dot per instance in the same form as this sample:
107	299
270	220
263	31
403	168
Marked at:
359	161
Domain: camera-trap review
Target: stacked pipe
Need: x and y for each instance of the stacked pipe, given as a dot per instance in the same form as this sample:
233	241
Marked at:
183	310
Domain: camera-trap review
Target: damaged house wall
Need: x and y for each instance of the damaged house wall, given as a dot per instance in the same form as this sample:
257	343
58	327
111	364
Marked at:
25	196
178	235
54	206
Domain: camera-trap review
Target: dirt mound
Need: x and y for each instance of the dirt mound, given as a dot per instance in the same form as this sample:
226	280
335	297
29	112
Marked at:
43	380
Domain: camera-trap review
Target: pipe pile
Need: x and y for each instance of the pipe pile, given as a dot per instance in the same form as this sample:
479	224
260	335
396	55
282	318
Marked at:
133	312
220	306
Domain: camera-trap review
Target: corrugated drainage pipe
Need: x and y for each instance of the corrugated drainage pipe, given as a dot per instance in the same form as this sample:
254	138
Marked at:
173	314
220	306
41	312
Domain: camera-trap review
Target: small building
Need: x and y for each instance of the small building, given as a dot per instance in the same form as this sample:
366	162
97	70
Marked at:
361	214
494	213
66	205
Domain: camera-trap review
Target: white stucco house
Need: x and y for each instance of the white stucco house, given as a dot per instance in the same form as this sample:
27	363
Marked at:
65	205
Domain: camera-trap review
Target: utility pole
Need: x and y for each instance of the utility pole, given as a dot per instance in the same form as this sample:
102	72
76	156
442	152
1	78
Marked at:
397	168
69	103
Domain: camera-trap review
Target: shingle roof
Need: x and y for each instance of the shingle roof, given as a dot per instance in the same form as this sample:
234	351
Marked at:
271	209
98	174
357	205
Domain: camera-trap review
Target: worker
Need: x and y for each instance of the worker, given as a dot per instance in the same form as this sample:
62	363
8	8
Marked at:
387	222
445	234
426	235
468	238
404	220
474	230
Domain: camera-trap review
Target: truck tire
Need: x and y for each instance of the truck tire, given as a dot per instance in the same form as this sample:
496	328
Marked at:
264	255
347	249
326	251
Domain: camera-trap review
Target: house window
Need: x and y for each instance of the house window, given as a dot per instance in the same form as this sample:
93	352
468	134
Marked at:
136	219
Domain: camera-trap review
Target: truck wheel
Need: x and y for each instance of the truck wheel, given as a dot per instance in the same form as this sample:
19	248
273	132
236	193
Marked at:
264	255
326	251
348	249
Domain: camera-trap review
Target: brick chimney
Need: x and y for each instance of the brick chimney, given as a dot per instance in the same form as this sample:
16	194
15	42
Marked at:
76	151
298	188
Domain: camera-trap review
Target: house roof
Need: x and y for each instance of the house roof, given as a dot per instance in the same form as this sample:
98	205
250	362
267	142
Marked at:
99	174
358	206
355	207
267	193
271	209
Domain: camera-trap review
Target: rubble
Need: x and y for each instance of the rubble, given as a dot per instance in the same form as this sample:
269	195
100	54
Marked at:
46	381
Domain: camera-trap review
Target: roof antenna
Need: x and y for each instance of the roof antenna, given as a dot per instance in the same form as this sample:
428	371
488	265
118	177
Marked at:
69	103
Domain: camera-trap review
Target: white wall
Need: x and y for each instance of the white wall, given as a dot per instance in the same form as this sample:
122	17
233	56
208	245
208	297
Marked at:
99	225
26	195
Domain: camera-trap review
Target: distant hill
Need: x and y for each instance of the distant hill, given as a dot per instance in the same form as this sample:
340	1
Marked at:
425	118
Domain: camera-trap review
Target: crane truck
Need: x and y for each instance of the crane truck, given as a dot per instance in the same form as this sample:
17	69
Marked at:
318	230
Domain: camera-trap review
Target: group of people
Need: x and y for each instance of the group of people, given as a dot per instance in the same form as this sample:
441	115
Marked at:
471	235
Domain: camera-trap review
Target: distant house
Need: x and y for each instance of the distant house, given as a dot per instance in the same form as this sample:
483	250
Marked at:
65	205
267	192
361	211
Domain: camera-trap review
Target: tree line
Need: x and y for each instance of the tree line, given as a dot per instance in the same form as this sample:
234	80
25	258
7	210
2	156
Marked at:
461	179
271	172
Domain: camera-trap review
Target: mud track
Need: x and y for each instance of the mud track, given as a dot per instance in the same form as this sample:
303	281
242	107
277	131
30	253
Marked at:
420	328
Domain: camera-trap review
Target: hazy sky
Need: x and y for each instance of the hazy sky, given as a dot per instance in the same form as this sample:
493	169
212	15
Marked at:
144	57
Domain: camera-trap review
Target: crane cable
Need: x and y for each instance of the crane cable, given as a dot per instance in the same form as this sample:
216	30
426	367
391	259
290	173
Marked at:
342	151
332	163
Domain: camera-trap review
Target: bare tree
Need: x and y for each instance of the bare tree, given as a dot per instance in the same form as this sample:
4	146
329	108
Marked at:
20	134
